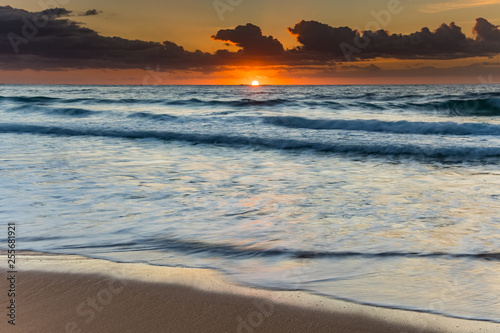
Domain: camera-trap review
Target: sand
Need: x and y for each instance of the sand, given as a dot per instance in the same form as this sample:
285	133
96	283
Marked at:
62	293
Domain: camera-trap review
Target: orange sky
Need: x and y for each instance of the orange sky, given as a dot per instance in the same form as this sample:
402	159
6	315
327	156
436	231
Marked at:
190	23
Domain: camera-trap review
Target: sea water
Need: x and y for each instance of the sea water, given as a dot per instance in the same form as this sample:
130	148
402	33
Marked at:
384	195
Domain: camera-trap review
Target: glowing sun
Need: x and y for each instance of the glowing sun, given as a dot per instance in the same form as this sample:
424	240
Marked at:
255	83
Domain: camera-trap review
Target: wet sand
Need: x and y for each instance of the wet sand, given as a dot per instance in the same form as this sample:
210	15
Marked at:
61	293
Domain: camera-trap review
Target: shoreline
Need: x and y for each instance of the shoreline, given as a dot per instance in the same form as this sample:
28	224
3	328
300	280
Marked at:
70	293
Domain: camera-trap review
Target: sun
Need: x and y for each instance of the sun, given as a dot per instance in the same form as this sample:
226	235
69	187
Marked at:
255	83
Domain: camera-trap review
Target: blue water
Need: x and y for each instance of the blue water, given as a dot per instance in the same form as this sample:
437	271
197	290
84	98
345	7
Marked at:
385	195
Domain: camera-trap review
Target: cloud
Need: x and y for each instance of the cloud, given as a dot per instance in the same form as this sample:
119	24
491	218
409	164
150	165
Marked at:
57	12
90	12
464	4
44	40
250	38
446	42
369	68
486	32
320	37
50	40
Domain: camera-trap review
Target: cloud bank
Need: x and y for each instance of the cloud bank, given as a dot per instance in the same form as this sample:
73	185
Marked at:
45	40
51	40
446	42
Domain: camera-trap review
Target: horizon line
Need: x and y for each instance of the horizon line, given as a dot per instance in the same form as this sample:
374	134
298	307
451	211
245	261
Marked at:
246	85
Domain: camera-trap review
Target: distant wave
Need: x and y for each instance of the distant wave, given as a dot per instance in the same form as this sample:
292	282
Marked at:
325	104
229	250
475	95
29	99
399	127
449	154
234	103
79	113
470	105
370	106
245	102
72	112
466	107
344	96
151	116
45	99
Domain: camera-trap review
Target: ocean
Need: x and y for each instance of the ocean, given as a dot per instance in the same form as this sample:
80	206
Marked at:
382	195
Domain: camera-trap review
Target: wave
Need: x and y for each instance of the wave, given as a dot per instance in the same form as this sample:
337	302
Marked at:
244	102
228	250
398	127
152	116
445	154
325	104
489	94
79	113
454	107
484	104
341	96
463	107
72	112
369	106
45	99
29	99
233	103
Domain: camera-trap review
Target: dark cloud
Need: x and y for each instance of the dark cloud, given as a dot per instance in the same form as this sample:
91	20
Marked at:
56	12
91	12
50	40
446	42
320	37
250	38
486	32
370	68
45	40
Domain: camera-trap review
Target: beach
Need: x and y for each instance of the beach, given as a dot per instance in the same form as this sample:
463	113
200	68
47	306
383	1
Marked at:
379	195
68	293
250	166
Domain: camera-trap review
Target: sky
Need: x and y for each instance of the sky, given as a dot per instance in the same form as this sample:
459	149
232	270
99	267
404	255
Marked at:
239	41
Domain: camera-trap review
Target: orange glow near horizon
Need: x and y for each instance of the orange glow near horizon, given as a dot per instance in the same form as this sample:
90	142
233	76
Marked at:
237	75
